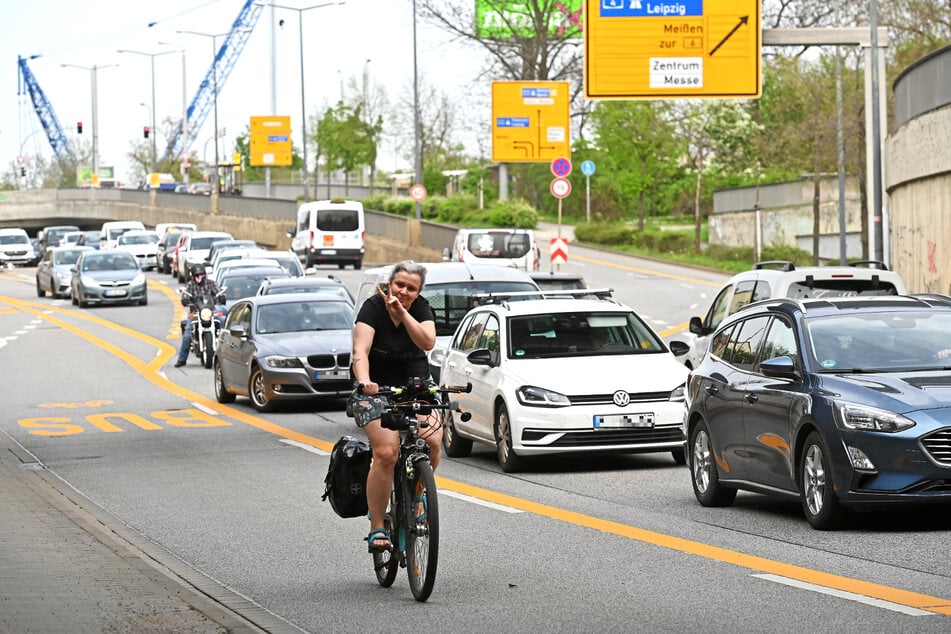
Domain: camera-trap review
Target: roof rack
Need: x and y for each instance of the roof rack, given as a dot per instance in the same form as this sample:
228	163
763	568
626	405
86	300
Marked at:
482	299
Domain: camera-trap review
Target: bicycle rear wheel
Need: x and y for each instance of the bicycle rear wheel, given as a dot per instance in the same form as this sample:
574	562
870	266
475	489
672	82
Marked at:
422	548
385	564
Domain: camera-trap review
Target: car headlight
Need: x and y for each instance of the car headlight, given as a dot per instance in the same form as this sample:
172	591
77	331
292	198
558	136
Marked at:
63	277
138	279
852	416
677	394
89	282
283	362
540	397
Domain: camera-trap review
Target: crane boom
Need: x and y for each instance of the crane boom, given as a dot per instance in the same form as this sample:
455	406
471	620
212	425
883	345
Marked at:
221	67
44	110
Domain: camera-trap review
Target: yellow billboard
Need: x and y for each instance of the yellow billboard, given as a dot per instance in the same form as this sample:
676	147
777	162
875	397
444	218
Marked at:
641	49
530	121
270	141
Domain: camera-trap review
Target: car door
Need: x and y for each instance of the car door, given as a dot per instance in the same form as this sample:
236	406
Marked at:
771	407
231	348
458	370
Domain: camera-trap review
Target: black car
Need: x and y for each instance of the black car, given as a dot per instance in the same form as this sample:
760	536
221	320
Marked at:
842	403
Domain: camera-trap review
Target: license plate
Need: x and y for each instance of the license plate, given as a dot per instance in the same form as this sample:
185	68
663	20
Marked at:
115	292
614	421
329	252
332	374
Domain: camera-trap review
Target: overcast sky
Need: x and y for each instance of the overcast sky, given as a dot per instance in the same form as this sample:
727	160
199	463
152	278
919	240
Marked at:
337	42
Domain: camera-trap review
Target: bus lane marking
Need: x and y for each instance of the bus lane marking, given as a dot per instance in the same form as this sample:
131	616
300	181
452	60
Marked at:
150	371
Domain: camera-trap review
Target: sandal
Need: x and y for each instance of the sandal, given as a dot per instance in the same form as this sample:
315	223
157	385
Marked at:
375	538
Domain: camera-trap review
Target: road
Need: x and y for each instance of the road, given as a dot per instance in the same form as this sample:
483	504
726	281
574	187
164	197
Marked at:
230	499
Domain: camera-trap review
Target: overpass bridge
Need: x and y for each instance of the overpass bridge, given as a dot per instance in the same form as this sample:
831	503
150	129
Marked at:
266	220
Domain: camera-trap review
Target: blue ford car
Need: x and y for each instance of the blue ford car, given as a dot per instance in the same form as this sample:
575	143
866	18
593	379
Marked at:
842	403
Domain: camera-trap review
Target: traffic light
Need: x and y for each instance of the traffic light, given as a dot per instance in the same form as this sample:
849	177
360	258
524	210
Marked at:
22	171
79	127
145	132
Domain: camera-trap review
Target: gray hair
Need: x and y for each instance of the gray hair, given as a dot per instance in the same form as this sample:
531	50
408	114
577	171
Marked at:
412	268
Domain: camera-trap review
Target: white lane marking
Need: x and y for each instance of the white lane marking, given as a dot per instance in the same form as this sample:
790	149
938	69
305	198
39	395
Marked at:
469	498
310	448
851	596
207	410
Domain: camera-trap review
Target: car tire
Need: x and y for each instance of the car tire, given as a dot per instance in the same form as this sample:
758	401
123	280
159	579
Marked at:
508	460
703	471
208	352
816	487
455	445
39	290
221	392
256	391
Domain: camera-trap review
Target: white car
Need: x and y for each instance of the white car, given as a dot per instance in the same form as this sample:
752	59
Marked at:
16	248
141	244
780	278
517	248
194	248
563	376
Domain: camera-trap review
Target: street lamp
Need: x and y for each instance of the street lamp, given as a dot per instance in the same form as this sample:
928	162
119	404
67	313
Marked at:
303	107
152	57
185	154
93	70
214	72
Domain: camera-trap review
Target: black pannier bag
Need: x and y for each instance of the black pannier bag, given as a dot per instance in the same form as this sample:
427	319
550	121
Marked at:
346	481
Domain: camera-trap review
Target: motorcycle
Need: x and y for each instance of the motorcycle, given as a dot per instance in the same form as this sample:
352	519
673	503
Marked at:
207	316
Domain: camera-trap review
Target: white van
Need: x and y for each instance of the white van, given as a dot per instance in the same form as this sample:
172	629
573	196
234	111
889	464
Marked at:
330	232
502	247
112	230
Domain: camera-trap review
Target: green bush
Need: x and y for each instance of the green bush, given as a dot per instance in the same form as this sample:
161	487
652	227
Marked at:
607	233
401	205
375	201
513	213
456	209
785	252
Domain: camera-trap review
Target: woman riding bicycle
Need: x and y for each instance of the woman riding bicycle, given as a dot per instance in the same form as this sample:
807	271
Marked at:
393	331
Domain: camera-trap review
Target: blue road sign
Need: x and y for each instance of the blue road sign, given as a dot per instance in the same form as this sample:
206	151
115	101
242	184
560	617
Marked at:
512	122
587	168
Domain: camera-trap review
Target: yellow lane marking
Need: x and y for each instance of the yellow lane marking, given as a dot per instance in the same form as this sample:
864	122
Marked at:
149	371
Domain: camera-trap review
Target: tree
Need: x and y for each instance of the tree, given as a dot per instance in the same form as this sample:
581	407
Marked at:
343	141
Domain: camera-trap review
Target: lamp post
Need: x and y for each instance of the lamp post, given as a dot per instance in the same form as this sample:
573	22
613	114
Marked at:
303	107
151	57
185	153
417	160
214	72
93	70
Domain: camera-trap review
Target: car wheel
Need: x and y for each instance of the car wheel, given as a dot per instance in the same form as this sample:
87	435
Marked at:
358	265
221	392
145	300
455	445
817	490
679	455
257	391
508	460
206	354
703	471
39	291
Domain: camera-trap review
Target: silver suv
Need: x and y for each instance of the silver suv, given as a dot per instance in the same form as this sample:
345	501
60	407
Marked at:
780	278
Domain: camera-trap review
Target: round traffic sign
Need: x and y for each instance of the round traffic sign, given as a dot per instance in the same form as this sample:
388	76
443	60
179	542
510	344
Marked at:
561	167
560	188
587	168
418	193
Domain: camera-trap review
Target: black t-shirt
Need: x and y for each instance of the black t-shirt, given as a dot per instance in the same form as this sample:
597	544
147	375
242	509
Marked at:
394	358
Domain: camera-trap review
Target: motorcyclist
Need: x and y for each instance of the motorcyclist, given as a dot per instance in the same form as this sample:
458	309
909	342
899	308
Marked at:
199	286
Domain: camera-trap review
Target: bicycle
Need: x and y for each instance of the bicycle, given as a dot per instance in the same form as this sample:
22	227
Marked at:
412	517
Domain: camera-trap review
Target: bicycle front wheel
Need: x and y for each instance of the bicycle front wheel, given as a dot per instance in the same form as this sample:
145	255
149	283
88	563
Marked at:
422	548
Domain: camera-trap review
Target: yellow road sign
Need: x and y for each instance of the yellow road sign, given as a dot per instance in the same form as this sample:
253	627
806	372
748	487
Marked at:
643	49
270	141
530	121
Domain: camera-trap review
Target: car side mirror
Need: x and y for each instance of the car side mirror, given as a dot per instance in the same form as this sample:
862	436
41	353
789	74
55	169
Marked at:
780	367
290	232
678	348
696	326
481	356
237	331
446	254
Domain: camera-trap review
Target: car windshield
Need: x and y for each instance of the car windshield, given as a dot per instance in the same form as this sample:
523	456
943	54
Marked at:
241	286
580	334
66	257
303	316
450	301
498	244
116	261
14	239
138	239
881	342
203	243
328	289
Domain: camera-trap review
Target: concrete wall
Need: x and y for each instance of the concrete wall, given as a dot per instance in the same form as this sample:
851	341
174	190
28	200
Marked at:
786	216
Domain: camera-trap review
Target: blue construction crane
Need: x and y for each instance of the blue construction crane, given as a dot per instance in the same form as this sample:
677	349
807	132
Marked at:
224	61
44	110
